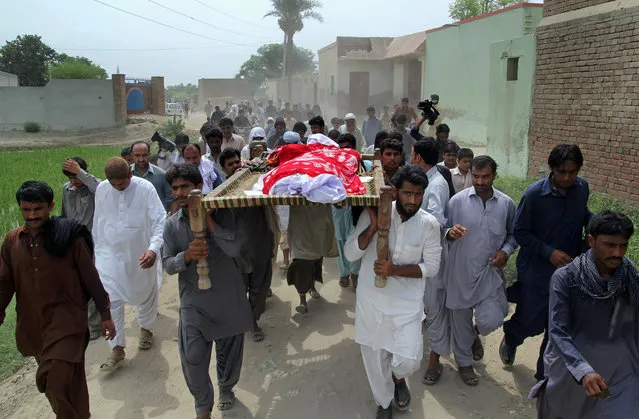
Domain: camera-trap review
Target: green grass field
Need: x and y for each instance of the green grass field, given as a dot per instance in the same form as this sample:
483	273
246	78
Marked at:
45	164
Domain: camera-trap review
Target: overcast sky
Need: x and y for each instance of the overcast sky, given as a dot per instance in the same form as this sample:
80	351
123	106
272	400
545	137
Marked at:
233	32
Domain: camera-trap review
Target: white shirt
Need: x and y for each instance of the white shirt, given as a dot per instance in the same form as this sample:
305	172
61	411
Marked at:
207	170
414	242
436	196
125	225
461	182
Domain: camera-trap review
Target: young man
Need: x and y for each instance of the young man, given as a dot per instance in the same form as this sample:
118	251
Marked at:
386	118
48	265
371	126
129	218
212	179
549	228
289	121
242	121
336	123
317	125
391	156
481	241
214	138
208	109
461	176
229	139
350	127
388	321
231	161
78	203
407	139
276	134
408	111
442	132
216	117
220	314
450	155
592	369
144	169
301	129
435	201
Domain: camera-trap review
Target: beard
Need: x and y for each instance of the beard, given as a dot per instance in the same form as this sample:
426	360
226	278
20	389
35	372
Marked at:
405	213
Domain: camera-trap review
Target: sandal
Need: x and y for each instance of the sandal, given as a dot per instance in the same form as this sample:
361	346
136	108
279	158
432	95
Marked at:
257	335
227	400
112	362
432	376
402	395
314	293
354	279
146	340
344	281
284	267
468	376
478	349
302	309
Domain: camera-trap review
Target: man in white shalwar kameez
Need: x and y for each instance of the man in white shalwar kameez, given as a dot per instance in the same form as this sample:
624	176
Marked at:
127	229
388	321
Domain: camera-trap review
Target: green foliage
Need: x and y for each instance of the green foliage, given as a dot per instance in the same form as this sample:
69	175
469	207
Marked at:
28	58
598	202
67	67
32	127
181	93
465	9
44	164
172	127
267	63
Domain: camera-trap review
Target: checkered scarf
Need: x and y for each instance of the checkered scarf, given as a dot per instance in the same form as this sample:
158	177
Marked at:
584	276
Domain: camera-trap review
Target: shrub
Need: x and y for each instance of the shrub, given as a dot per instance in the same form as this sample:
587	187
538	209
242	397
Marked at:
172	128
32	127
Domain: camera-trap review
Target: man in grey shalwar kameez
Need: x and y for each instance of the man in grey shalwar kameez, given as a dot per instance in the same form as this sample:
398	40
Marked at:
220	314
592	358
480	243
436	196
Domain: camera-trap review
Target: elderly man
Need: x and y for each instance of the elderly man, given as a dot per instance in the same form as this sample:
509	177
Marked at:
154	174
210	175
127	229
78	203
220	314
48	264
388	321
592	368
481	241
350	127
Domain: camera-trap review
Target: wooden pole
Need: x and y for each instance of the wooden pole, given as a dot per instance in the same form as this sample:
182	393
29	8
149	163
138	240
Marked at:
383	226
197	220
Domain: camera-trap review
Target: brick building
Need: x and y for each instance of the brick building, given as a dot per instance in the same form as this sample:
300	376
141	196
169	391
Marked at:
587	91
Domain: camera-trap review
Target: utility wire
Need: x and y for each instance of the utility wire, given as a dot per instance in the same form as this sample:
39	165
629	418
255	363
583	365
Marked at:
231	16
165	25
203	22
150	49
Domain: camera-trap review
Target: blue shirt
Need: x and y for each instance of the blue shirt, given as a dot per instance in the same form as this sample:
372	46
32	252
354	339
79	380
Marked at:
547	220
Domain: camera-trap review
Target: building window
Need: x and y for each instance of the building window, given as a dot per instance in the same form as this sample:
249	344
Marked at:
512	69
332	85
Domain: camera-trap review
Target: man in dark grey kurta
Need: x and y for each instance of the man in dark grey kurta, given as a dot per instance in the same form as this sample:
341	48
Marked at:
592	357
220	314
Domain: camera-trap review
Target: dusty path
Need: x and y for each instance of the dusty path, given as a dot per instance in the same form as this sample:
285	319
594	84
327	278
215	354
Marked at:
307	367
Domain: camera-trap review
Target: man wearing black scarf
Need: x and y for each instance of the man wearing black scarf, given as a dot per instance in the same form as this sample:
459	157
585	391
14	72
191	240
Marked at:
592	358
48	264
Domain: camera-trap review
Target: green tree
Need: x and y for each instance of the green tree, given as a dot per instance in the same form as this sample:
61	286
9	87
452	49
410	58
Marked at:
465	9
28	58
290	16
181	93
67	67
267	63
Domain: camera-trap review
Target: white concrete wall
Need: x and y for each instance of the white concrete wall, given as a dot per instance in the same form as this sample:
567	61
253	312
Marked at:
327	69
380	84
399	71
60	105
8	79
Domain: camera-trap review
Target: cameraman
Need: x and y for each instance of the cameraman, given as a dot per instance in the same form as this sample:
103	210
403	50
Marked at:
175	158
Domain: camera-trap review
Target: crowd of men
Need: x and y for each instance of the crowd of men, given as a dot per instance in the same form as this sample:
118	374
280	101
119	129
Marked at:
451	234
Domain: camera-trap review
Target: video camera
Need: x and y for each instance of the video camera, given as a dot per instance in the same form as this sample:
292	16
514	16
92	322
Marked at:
163	143
428	110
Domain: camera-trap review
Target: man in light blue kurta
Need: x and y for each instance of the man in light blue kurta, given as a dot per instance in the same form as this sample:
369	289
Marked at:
481	240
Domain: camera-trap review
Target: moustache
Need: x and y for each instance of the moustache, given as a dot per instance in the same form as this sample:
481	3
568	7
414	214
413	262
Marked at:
616	259
30	220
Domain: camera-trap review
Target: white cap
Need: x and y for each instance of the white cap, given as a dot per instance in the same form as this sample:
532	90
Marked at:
349	116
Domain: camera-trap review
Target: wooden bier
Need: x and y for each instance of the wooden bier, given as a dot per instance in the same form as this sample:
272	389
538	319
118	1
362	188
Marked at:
383	226
197	220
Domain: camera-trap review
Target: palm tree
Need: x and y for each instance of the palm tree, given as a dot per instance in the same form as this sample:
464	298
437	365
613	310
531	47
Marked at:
290	16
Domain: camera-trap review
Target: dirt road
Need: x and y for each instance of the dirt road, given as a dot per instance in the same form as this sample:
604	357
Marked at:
308	367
